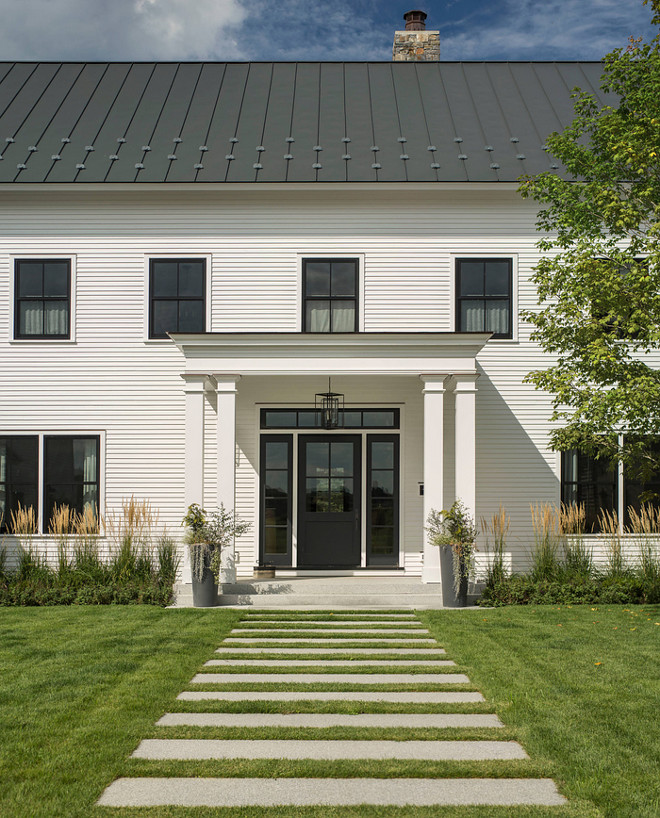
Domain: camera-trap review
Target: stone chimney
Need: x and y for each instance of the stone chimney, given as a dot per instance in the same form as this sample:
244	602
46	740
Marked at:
416	43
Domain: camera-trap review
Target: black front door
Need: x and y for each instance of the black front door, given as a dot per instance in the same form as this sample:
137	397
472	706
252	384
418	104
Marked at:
329	482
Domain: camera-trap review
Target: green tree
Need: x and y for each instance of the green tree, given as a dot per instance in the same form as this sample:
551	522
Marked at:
599	279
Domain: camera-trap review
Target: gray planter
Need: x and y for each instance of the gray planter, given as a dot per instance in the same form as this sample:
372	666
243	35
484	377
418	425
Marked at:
450	599
205	593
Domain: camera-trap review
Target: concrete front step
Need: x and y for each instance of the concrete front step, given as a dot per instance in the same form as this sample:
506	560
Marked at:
400	697
343	618
437	721
201	749
326	663
394	652
259	792
331	678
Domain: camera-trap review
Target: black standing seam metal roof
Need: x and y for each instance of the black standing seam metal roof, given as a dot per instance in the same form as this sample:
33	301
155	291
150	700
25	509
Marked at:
284	122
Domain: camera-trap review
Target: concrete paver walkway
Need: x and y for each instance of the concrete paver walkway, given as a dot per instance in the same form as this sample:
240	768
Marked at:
260	643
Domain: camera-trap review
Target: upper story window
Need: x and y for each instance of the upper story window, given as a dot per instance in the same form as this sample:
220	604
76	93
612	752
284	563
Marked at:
42	291
484	296
330	295
177	296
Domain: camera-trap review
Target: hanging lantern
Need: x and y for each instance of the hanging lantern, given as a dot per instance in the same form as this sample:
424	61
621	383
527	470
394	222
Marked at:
329	408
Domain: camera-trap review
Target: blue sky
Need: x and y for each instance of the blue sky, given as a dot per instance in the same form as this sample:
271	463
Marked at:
312	29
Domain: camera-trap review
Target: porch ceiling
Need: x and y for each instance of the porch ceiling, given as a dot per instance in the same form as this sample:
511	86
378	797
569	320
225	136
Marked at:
369	353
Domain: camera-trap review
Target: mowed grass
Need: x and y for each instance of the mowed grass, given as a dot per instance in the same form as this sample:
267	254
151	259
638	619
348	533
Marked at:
80	687
581	687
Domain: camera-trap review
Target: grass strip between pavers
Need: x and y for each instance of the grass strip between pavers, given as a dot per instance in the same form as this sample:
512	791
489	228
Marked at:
322	687
336	733
343	768
321	657
332	706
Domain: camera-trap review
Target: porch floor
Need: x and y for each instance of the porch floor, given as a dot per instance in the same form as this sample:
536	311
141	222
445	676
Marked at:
327	593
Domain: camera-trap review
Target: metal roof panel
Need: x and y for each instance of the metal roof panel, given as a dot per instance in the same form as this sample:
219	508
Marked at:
104	119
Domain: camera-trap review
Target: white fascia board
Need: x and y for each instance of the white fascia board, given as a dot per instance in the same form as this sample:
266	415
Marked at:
296	353
258	187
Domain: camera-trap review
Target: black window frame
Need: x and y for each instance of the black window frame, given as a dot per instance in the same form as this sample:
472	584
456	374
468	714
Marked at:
46	515
587	489
8	485
42	299
460	298
330	298
178	298
285	558
296	413
375	559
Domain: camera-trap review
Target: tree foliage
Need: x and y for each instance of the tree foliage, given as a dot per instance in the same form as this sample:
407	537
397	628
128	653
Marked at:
599	279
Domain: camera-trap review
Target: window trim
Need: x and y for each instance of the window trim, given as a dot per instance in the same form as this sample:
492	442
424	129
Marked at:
15	259
512	258
207	258
330	255
99	434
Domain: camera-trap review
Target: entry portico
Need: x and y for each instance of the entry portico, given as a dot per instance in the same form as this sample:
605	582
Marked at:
238	376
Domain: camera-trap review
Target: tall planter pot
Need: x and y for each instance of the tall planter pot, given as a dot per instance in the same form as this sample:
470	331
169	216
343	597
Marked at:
451	599
205	592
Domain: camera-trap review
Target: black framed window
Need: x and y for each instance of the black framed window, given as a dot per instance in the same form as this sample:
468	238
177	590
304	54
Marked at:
19	476
71	473
42	289
590	482
330	295
276	499
383	499
348	419
177	296
484	296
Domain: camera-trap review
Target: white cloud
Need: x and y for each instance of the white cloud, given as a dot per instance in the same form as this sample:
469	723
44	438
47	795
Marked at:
553	29
119	29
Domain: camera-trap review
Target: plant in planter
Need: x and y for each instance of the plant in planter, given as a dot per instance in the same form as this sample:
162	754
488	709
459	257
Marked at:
207	535
455	533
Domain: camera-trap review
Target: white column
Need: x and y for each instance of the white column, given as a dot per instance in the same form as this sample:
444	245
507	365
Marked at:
226	393
434	392
465	391
193	491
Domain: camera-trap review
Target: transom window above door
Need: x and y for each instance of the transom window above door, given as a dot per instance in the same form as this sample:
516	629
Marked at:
177	296
330	295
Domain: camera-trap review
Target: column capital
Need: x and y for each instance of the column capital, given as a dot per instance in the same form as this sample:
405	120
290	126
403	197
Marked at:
195	382
434	382
465	381
225	382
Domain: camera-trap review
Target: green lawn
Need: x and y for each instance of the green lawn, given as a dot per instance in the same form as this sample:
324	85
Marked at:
79	687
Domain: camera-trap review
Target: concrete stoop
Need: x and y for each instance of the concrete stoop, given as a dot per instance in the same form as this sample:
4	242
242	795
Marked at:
327	593
321	792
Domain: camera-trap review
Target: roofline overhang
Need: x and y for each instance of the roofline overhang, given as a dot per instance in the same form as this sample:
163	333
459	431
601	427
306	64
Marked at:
295	353
233	187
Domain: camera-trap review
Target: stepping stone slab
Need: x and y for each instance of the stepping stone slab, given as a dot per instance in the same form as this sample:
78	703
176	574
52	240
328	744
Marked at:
242	640
332	678
199	749
436	720
259	792
327	662
402	697
332	617
358	651
286	632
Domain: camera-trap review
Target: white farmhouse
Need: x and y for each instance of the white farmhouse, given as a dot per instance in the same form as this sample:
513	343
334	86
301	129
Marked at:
192	253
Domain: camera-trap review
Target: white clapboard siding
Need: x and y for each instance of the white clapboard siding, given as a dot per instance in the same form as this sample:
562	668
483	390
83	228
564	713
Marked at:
112	380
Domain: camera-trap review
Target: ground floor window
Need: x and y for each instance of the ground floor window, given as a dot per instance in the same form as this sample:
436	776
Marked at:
601	488
44	471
